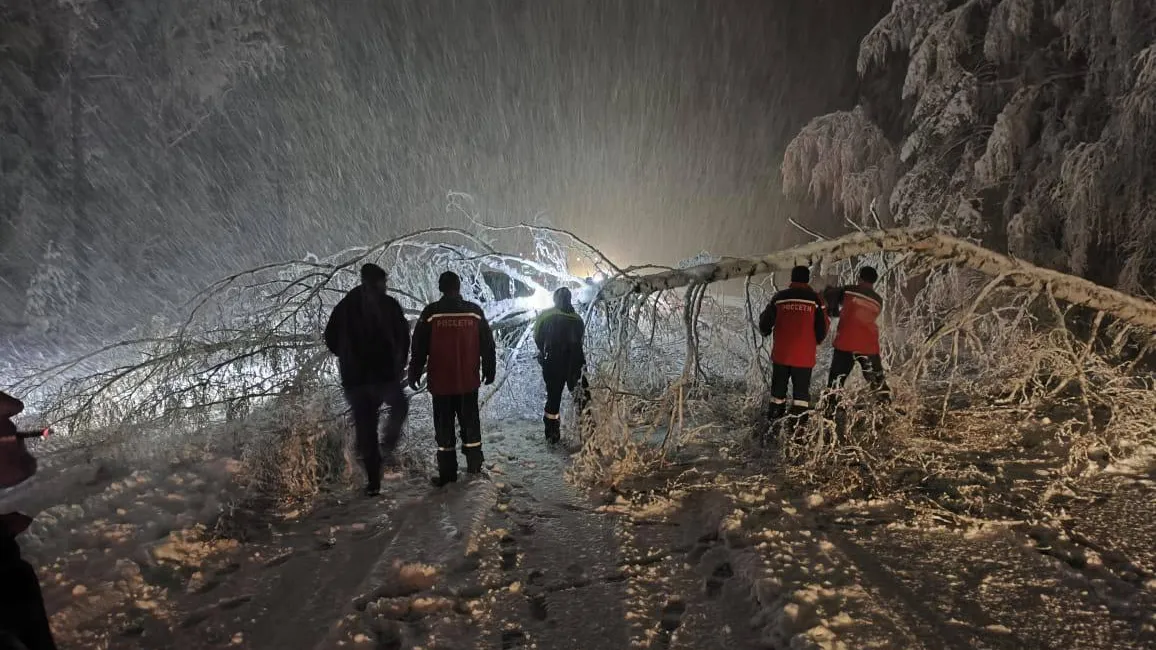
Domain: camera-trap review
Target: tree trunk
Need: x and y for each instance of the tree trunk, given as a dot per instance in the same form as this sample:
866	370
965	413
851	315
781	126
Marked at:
926	242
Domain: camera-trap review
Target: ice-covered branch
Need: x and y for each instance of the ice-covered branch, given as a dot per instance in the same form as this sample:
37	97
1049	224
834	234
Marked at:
923	242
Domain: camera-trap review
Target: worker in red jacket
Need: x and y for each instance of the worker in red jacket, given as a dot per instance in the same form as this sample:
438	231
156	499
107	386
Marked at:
455	337
799	324
857	307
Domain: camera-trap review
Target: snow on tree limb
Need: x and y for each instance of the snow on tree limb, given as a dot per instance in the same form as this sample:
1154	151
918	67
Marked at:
844	156
925	242
1034	117
1010	137
901	29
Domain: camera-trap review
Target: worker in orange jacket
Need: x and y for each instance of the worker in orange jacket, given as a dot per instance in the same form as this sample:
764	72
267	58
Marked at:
798	322
857	307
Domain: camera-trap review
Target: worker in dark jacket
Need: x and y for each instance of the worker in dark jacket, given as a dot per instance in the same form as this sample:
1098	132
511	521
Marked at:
455	337
16	464
370	336
799	324
559	333
23	620
857	307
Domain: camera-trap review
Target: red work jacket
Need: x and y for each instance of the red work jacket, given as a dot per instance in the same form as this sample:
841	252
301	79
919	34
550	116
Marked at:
798	323
455	337
858	308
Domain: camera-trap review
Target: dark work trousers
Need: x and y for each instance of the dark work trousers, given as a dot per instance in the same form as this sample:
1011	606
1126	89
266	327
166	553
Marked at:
872	364
556	380
365	402
22	614
800	382
464	410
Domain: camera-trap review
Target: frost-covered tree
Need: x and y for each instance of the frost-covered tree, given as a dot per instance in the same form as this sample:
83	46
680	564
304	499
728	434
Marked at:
94	100
53	291
1028	124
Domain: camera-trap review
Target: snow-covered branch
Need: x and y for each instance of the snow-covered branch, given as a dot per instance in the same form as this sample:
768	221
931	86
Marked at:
923	242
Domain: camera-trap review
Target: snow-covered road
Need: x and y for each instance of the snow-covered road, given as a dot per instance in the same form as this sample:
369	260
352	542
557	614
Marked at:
710	553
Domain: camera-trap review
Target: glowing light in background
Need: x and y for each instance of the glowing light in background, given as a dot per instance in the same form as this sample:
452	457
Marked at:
540	301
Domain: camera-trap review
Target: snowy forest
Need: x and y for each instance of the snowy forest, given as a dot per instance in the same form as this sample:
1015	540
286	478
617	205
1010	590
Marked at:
189	188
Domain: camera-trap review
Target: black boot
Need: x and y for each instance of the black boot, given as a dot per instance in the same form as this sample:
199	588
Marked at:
775	412
553	429
799	413
372	480
441	481
474	460
447	467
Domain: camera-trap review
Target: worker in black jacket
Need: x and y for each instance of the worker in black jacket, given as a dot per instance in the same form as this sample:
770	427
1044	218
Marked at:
559	334
370	336
23	620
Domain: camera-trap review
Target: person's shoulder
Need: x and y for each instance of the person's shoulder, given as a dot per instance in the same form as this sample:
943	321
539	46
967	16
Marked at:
392	302
349	297
474	308
796	293
865	292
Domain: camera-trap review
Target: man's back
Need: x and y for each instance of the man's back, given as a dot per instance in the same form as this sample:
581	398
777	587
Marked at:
559	334
370	336
798	323
859	306
455	337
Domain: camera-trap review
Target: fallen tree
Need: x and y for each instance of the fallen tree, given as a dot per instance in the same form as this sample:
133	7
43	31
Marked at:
666	368
926	242
965	325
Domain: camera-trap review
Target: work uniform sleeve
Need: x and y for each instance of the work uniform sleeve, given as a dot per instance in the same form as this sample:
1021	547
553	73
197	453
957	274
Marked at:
335	328
487	347
539	333
767	319
834	298
419	350
540	329
822	321
582	341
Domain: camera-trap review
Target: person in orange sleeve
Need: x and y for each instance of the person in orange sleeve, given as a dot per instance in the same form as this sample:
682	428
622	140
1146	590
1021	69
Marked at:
857	307
798	323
